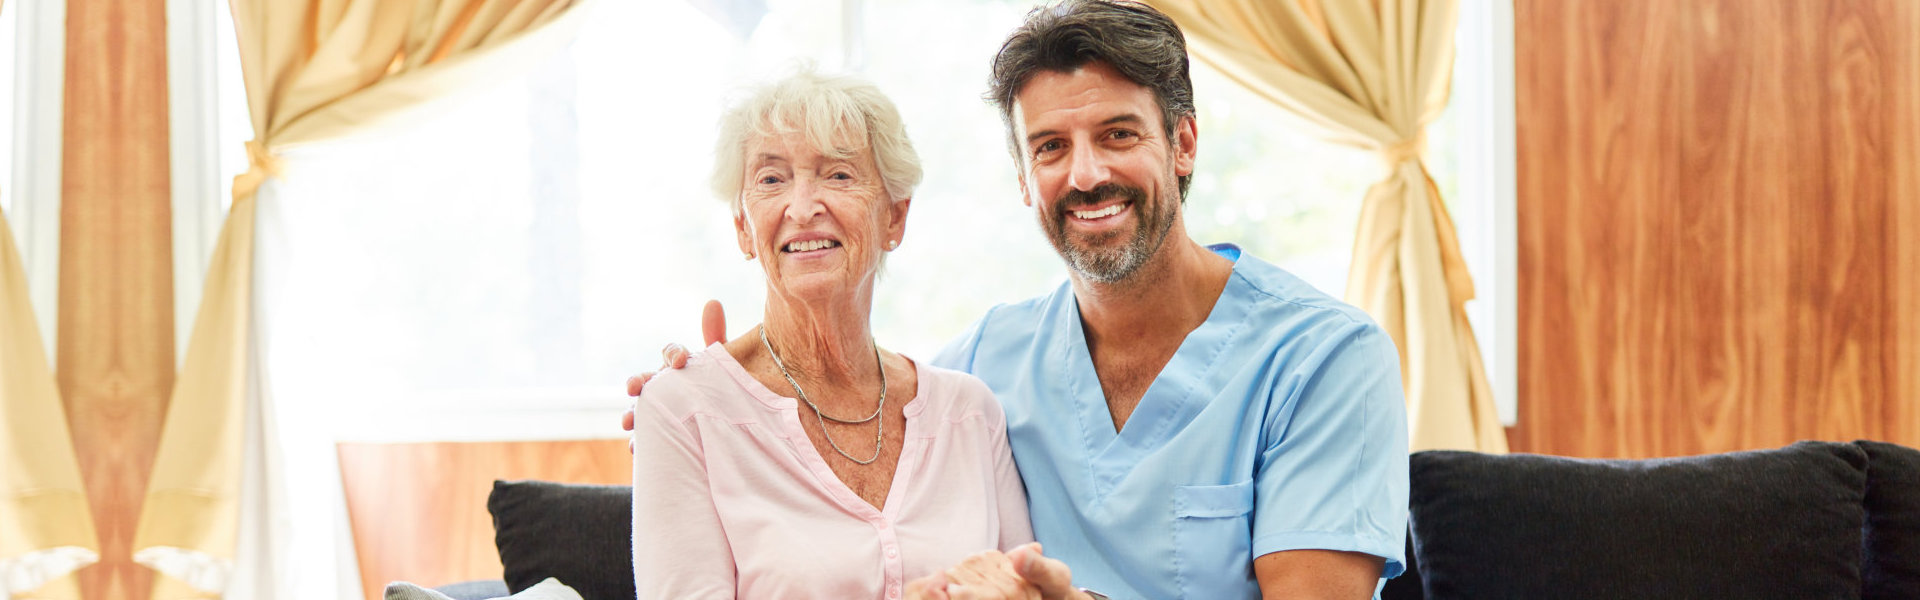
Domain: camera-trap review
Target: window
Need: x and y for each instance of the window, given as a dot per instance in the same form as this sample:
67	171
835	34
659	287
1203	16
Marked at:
8	17
1476	171
32	61
531	244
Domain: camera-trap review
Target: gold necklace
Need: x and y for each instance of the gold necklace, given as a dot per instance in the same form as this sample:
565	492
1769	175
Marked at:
822	418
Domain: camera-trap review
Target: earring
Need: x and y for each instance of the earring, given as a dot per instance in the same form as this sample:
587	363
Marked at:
749	256
892	244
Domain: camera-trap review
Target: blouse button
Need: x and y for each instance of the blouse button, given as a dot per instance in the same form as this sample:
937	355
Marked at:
891	553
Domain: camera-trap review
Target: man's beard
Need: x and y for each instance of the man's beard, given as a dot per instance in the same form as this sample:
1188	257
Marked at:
1087	255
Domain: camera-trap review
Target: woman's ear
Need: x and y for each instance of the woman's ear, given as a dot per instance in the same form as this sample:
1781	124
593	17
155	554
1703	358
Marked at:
897	219
742	233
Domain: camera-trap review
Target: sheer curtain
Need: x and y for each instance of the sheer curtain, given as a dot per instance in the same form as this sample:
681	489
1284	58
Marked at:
1373	75
46	527
244	500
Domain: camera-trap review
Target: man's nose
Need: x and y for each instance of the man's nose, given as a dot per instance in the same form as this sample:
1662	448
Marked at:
1089	169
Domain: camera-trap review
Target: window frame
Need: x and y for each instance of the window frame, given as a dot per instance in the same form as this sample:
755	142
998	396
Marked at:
1489	180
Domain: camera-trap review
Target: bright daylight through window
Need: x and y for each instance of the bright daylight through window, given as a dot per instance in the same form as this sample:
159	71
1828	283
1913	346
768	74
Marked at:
533	243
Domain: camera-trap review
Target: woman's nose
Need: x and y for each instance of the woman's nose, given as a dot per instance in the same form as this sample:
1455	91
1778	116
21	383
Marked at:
806	202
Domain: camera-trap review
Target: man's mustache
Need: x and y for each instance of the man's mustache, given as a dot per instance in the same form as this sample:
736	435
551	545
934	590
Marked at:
1075	199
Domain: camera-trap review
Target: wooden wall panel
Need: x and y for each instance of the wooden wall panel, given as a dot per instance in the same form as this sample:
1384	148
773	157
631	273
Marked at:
1904	228
419	511
1716	224
115	355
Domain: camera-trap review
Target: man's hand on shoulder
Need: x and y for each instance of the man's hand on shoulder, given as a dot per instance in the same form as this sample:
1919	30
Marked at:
713	329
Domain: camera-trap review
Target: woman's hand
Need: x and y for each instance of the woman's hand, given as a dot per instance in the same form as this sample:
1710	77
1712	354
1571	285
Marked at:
1022	573
984	576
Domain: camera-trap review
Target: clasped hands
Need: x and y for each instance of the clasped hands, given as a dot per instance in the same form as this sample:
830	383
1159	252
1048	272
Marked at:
1022	573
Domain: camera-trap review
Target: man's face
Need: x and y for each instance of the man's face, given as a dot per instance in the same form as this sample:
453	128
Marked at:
1097	165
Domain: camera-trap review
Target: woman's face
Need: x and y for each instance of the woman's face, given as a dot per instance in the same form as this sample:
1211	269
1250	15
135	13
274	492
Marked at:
817	224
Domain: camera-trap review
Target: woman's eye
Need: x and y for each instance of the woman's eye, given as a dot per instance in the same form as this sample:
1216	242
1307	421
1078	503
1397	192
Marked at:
840	176
769	180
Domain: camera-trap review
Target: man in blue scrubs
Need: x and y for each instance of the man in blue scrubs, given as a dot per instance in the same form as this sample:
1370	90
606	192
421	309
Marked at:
1190	421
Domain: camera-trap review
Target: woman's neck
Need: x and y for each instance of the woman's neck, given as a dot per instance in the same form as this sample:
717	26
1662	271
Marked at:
829	342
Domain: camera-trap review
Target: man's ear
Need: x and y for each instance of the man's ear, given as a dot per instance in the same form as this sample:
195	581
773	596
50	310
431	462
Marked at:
1025	197
1186	139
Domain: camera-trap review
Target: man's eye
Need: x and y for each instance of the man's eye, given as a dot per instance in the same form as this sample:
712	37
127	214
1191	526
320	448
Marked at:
1121	134
1049	146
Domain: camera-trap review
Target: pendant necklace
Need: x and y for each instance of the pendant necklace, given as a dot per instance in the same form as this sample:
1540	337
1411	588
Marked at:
822	418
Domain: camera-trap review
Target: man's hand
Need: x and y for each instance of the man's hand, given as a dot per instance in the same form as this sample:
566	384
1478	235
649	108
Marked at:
713	329
1051	577
1022	573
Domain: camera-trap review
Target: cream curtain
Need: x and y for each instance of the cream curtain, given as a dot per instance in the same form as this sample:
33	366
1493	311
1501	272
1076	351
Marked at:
46	527
315	70
1373	74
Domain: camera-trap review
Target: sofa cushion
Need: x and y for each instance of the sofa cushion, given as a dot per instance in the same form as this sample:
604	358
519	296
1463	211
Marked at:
1779	523
550	589
1892	567
579	534
480	589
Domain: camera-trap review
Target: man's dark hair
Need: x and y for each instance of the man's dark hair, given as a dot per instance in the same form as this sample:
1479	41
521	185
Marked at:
1141	43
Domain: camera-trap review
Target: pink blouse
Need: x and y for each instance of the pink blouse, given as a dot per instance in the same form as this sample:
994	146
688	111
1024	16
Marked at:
730	498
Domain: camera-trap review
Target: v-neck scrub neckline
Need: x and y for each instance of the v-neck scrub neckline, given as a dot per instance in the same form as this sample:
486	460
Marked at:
1279	424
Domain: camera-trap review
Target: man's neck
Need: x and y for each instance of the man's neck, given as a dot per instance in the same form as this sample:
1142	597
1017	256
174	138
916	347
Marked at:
1135	326
1167	297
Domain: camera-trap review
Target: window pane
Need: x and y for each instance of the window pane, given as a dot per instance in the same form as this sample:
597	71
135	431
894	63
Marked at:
1259	182
7	37
549	233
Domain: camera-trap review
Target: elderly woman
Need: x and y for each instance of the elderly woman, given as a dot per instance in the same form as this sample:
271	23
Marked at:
801	459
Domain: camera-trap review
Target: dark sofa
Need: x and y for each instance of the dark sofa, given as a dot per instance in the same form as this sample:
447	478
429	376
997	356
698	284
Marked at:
1811	520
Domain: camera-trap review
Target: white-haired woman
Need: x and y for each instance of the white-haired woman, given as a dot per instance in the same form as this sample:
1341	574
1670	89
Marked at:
801	460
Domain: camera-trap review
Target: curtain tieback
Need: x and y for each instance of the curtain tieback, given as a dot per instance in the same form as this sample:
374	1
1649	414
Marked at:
1404	150
261	164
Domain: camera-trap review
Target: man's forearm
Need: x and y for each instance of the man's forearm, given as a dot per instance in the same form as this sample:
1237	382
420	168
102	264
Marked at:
1317	575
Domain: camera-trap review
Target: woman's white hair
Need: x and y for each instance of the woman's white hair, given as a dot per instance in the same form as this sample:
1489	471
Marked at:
833	112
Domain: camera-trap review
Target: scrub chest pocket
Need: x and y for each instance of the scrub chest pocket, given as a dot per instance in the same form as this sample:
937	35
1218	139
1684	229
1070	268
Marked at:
1213	539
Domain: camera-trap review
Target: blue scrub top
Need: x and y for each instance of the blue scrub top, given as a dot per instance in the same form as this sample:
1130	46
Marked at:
1279	424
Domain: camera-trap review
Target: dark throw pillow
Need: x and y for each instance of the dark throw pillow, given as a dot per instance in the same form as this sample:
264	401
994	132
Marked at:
1408	585
1762	524
579	534
1892	567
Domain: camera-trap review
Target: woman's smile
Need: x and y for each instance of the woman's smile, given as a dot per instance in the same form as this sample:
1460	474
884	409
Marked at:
810	245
